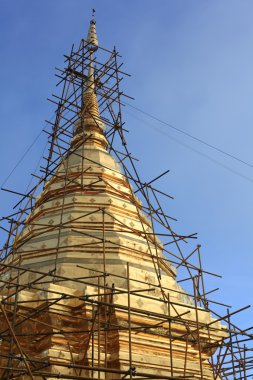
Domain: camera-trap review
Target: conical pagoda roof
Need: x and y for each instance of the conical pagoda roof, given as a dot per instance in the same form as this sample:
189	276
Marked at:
88	213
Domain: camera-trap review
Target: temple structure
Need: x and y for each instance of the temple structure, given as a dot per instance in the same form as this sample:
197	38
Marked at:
87	289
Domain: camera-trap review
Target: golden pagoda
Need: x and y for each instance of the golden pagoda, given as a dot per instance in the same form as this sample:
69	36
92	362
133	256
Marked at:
87	289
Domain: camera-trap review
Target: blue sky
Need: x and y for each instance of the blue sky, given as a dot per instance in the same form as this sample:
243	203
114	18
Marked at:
191	64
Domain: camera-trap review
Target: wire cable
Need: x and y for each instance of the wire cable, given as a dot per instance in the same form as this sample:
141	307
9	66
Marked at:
191	136
22	157
26	152
192	149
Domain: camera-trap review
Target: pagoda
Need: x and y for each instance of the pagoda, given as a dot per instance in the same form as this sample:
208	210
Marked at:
87	289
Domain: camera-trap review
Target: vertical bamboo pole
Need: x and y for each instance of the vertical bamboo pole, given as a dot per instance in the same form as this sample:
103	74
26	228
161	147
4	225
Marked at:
129	324
105	307
170	337
197	325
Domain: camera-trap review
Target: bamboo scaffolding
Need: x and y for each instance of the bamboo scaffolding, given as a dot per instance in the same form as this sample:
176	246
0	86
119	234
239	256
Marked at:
100	321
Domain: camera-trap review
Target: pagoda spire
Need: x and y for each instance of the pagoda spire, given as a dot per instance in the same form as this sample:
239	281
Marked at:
90	112
90	125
